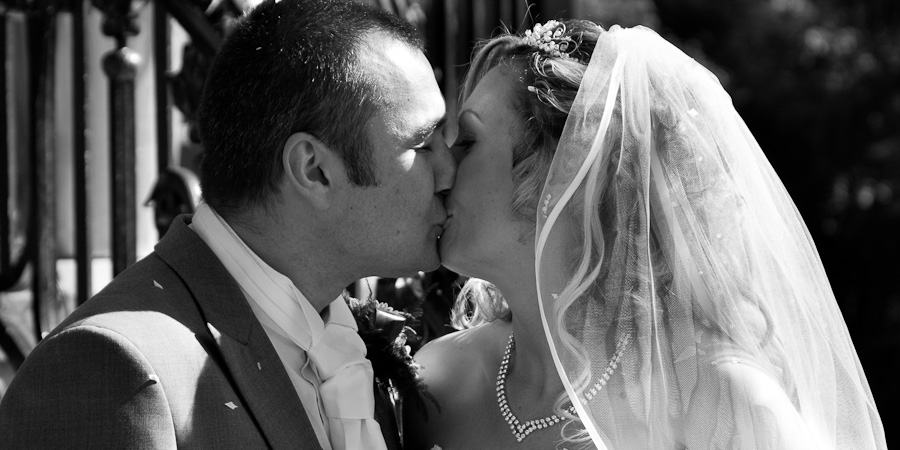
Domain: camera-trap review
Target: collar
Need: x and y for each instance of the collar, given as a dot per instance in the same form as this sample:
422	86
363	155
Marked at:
274	294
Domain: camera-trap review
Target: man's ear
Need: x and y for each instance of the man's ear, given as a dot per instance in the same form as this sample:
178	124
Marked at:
311	168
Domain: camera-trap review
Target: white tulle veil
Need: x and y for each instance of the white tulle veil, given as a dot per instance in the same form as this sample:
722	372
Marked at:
664	232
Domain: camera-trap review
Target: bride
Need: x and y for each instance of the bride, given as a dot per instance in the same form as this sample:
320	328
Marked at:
659	288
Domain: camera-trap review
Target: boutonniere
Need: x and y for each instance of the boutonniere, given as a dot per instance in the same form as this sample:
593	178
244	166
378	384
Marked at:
386	333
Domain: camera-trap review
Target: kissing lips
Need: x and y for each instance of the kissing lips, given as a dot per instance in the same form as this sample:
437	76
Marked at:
444	226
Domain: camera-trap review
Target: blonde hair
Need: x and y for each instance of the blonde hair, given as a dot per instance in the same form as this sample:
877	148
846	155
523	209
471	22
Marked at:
543	112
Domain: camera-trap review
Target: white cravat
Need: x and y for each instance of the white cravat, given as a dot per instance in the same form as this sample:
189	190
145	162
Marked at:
325	360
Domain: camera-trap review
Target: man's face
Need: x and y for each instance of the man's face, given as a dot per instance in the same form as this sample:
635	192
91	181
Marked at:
398	220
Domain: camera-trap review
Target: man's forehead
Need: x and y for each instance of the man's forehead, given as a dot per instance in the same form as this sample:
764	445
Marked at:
392	63
422	132
407	93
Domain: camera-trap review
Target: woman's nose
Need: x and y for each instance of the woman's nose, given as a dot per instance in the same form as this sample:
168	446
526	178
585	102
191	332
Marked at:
444	168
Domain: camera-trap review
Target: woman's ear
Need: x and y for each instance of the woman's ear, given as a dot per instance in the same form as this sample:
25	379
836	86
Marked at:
311	169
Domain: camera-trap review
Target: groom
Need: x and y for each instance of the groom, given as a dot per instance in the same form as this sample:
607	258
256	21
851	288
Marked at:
324	163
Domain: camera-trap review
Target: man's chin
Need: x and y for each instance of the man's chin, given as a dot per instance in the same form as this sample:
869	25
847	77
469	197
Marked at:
432	264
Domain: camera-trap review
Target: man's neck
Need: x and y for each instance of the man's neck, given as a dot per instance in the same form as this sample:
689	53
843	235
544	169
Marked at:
304	263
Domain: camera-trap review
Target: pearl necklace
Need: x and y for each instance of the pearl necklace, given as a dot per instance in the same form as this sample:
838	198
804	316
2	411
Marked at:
522	430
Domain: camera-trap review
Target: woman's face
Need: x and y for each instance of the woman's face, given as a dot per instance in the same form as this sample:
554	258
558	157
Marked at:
483	238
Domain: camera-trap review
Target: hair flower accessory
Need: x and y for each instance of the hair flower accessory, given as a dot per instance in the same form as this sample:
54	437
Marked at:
550	39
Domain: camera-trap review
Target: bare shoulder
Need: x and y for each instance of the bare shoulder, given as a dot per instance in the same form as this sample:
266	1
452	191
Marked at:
462	349
747	385
741	396
458	370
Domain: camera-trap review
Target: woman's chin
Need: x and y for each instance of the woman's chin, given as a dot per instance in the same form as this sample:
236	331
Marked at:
448	254
452	256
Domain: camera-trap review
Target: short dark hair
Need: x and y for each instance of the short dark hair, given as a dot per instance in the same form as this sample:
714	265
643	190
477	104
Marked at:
287	67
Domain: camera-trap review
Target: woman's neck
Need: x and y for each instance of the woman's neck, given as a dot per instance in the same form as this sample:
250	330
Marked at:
532	362
531	365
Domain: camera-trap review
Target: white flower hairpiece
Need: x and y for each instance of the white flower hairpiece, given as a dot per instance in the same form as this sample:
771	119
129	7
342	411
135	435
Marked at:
549	39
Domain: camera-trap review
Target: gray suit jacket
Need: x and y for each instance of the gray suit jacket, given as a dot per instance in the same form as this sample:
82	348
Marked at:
168	355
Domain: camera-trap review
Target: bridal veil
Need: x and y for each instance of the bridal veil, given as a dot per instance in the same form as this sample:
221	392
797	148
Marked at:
680	290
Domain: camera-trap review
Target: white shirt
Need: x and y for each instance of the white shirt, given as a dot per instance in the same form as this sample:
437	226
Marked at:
270	295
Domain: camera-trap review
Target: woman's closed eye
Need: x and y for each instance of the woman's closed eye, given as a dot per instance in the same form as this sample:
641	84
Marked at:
461	148
463	144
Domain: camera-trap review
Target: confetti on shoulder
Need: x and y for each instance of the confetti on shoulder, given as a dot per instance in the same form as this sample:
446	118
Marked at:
231	405
156	283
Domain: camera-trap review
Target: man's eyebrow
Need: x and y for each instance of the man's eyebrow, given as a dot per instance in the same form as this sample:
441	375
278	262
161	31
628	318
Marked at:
428	130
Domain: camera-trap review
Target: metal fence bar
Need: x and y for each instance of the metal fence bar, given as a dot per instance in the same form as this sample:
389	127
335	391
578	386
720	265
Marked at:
120	67
81	158
46	299
161	64
4	156
13	354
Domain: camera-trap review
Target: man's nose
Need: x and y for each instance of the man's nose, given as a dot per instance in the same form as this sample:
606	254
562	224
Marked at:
444	168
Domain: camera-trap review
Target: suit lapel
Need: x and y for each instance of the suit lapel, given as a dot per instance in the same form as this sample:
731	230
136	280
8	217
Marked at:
245	349
266	389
